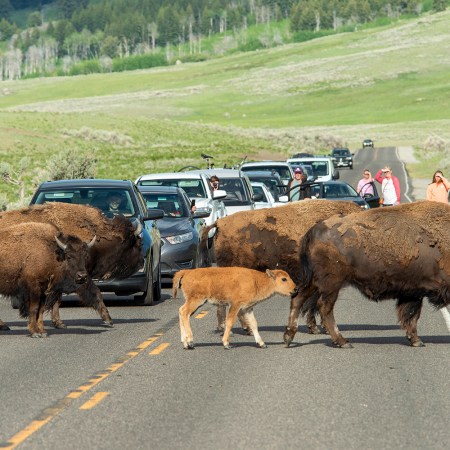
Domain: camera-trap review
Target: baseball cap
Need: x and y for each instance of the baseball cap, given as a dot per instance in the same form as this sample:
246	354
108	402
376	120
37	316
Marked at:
298	170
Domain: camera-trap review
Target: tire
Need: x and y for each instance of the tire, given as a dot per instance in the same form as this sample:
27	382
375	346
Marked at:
157	285
146	298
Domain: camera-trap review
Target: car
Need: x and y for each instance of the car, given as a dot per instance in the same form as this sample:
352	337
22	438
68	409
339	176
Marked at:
181	228
322	166
337	190
281	167
370	194
367	143
237	186
342	157
94	192
303	155
265	198
197	187
271	179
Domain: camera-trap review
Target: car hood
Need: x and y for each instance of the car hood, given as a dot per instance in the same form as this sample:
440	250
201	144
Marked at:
172	227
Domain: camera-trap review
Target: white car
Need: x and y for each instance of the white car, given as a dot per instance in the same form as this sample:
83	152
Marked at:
263	196
322	166
239	192
198	189
281	167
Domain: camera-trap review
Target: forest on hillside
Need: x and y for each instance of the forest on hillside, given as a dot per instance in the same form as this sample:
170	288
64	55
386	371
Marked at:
69	37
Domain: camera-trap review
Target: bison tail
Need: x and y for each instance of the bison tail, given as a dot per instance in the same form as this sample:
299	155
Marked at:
177	283
206	230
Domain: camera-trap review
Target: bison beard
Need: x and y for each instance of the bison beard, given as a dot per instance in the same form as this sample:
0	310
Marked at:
351	250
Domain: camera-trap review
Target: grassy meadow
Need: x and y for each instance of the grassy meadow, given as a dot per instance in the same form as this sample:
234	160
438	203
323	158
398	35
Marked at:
389	83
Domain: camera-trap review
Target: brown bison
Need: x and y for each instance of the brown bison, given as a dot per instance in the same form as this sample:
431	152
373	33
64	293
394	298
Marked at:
401	253
117	252
38	266
271	237
238	287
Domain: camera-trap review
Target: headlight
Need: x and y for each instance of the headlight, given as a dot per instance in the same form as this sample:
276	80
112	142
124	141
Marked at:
180	238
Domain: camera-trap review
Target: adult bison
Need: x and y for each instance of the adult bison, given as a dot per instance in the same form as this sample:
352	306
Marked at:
38	266
117	252
270	238
400	252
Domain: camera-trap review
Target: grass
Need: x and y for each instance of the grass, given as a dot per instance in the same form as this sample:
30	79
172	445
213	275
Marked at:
389	83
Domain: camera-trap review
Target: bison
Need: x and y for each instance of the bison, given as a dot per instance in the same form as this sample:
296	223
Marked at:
117	252
401	253
38	266
266	238
238	287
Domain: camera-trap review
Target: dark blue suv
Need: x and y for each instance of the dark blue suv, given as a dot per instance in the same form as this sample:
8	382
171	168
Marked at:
130	203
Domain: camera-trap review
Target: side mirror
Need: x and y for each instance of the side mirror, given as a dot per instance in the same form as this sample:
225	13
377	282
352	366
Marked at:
154	214
220	193
283	199
201	213
336	175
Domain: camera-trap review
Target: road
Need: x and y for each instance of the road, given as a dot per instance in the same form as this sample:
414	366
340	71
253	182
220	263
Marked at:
133	386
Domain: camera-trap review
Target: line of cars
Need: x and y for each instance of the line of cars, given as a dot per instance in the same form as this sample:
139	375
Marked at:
172	229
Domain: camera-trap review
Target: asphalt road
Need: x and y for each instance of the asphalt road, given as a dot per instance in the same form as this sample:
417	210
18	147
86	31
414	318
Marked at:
133	386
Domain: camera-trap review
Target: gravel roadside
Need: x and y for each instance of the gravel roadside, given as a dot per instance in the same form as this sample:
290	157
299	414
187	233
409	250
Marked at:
418	185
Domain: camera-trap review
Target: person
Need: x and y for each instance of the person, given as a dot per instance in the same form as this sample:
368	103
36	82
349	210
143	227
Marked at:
390	186
114	203
214	182
437	190
298	193
364	184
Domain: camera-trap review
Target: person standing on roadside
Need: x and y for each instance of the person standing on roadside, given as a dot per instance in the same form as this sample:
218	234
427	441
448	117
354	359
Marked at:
437	190
365	186
390	186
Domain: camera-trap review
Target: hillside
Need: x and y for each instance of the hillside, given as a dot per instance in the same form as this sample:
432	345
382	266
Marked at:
390	84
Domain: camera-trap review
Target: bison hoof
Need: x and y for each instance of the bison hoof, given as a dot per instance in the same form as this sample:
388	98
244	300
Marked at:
59	325
417	344
38	335
314	330
227	346
108	324
4	328
343	345
263	345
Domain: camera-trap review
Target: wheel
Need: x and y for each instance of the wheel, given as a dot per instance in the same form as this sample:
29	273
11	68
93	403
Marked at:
157	285
146	298
351	167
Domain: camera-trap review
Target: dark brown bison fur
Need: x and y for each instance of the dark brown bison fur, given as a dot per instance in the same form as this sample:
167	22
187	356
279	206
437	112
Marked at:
117	252
271	237
37	268
400	253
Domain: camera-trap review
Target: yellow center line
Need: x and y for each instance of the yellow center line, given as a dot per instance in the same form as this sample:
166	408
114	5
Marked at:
159	349
201	315
94	400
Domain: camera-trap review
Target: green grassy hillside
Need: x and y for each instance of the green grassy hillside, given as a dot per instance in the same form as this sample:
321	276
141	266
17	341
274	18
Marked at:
390	84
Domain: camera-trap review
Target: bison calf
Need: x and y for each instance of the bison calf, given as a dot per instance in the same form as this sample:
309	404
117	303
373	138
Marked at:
238	287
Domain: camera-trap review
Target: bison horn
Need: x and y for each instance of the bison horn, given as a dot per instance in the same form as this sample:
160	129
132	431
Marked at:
61	245
138	229
92	242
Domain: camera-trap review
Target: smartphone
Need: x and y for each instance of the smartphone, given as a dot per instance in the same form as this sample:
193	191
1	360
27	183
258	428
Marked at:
192	202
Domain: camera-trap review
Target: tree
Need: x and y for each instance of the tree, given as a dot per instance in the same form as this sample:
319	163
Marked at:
439	5
34	19
5	9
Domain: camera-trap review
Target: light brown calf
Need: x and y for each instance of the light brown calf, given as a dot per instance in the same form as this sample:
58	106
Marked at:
238	287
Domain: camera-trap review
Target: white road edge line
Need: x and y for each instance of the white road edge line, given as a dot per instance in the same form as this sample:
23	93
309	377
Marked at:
446	315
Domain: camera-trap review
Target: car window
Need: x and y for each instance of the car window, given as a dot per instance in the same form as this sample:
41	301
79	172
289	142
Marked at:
236	192
171	204
320	168
260	190
90	196
193	188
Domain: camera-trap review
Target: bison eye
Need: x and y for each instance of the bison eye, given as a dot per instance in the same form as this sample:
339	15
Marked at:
284	279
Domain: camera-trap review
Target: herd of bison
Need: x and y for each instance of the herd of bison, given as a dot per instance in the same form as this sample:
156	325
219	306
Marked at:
307	250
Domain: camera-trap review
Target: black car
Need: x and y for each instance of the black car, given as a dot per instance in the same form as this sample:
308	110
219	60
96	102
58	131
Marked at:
367	143
337	190
181	229
342	157
96	192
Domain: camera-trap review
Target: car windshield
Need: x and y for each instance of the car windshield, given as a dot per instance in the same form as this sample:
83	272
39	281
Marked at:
342	152
273	184
170	203
193	187
338	191
109	200
236	193
284	172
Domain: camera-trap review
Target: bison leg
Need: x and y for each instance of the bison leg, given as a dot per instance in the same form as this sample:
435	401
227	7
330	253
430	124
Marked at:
231	318
221	318
292	326
56	319
33	319
253	325
91	296
326	306
184	313
3	326
408	313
